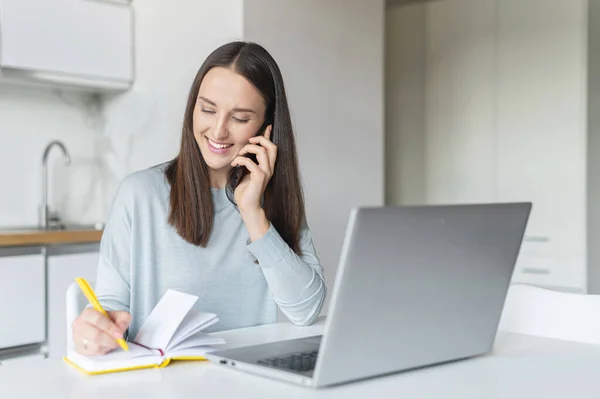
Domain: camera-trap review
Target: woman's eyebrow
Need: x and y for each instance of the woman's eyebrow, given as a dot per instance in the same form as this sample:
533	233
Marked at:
234	110
244	110
208	101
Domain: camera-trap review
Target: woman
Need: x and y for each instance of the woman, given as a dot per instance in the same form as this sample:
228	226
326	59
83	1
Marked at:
244	249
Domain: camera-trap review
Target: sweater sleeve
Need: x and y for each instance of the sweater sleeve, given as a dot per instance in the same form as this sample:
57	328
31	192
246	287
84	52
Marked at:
112	283
296	281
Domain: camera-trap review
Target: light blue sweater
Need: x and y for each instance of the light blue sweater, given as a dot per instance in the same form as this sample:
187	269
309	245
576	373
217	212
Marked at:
141	256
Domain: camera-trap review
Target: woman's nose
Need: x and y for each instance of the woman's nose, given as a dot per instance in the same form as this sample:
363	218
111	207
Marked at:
221	131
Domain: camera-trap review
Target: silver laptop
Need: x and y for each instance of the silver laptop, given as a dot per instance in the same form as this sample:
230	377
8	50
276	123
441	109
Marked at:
416	286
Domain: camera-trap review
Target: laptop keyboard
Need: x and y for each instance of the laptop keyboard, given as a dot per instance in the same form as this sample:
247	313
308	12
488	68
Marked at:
301	361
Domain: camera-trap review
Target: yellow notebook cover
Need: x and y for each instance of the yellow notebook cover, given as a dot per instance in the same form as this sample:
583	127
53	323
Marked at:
172	331
135	359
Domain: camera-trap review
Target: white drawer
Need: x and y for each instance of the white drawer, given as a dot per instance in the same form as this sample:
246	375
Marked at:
30	360
544	268
22	300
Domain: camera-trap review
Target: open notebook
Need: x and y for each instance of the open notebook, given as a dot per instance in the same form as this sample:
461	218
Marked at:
172	331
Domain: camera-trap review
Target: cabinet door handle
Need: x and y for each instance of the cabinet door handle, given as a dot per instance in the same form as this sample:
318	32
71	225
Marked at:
535	270
125	2
536	239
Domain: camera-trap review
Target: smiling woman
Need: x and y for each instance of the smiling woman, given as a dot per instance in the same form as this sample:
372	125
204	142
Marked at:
224	220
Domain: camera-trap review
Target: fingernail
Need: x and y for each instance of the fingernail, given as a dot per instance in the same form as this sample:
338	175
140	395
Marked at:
117	334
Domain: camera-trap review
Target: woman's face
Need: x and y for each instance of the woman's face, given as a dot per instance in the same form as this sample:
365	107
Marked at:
228	112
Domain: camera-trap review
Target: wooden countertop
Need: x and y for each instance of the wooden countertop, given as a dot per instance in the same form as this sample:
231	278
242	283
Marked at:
30	237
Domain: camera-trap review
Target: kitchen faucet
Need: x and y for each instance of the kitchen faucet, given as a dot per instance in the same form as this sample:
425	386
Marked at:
47	217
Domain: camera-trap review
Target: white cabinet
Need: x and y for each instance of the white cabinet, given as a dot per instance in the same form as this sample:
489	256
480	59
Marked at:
541	133
22	300
84	43
506	120
62	271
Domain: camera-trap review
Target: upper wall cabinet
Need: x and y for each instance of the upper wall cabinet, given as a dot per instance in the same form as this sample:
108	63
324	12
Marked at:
87	44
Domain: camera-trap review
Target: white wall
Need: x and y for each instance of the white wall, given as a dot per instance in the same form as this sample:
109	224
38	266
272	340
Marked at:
29	118
331	56
136	130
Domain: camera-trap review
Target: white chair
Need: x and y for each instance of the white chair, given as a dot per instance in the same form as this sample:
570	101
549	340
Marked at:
76	302
543	312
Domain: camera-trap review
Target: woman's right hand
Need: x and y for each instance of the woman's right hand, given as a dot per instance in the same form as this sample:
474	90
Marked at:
95	334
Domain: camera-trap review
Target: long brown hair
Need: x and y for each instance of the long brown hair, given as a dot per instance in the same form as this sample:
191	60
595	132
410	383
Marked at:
191	207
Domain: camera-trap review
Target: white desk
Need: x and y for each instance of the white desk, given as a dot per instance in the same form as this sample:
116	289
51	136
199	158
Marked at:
520	367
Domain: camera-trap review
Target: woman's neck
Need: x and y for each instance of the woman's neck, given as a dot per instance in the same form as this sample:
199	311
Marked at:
218	178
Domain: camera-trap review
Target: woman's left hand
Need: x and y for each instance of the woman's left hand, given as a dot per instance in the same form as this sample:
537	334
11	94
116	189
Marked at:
249	192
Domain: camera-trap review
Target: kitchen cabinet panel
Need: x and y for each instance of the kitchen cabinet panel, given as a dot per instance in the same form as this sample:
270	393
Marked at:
62	271
22	300
81	42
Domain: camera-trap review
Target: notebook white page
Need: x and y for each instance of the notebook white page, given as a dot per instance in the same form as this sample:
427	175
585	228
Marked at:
117	359
193	322
197	340
160	326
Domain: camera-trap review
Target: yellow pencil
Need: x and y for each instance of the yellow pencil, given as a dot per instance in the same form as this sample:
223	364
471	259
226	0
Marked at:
91	296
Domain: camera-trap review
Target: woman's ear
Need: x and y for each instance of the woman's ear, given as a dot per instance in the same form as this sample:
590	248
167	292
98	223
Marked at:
268	131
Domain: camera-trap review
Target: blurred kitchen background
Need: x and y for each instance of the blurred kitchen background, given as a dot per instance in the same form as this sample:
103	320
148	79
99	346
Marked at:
393	102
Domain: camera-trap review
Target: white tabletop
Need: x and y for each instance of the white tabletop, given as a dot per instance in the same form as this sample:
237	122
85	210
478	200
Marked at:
519	367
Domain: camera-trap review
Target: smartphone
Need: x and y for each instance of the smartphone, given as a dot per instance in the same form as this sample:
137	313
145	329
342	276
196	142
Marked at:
240	171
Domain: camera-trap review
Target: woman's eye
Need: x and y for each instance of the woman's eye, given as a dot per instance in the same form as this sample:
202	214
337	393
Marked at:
240	120
208	111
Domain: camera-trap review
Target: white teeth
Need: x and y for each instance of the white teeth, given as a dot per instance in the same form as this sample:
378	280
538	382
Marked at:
218	145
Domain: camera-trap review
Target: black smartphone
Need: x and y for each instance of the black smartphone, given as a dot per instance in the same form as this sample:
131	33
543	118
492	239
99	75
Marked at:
238	173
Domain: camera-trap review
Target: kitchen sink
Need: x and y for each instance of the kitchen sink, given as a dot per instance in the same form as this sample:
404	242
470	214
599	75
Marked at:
57	227
71	227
